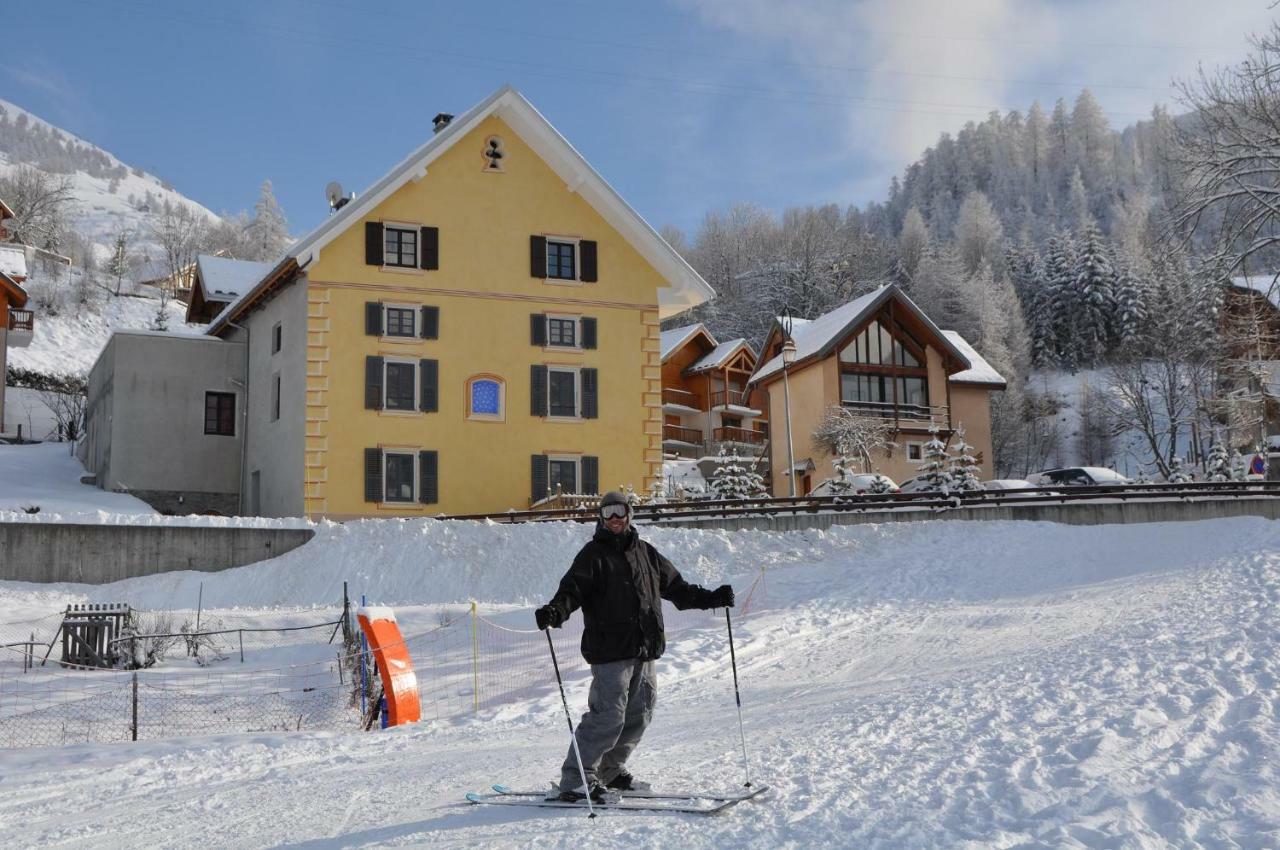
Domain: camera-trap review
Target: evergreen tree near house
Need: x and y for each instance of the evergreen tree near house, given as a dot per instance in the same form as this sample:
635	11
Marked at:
1095	284
267	234
1130	306
935	464
962	466
1218	462
1239	466
734	480
1063	302
1177	473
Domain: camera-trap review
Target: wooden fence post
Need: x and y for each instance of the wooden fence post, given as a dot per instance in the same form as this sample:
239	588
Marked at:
135	705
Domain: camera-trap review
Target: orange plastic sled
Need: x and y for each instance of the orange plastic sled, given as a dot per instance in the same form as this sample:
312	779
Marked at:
399	682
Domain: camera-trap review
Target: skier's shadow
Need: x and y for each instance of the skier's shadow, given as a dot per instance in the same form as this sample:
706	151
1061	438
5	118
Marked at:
455	816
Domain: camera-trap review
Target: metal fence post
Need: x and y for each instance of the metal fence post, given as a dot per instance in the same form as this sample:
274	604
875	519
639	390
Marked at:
135	706
242	646
475	657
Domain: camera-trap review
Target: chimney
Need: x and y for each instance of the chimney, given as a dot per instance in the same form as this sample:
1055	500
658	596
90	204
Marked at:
441	121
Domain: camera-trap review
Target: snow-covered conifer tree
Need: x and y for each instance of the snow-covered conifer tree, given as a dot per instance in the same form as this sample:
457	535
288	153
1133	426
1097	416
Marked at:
267	235
1177	474
1063	300
1095	286
733	480
1219	462
935	464
962	466
1131	309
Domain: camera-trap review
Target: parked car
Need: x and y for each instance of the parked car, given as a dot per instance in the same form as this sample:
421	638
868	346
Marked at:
1007	484
919	484
1079	476
861	485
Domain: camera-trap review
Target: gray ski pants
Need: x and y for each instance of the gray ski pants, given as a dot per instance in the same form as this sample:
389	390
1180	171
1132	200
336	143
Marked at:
619	709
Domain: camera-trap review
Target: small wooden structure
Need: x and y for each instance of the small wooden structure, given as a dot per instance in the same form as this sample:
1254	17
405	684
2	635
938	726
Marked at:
87	633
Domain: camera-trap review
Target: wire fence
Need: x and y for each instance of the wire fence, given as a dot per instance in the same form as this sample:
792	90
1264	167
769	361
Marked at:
291	678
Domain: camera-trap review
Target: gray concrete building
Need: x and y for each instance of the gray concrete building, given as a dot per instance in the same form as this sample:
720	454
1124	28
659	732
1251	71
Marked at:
166	420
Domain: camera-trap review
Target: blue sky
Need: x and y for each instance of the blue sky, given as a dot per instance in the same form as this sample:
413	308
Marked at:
685	106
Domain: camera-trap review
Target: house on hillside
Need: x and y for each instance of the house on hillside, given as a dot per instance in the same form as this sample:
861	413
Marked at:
477	329
216	282
881	356
706	403
1250	322
6	213
17	325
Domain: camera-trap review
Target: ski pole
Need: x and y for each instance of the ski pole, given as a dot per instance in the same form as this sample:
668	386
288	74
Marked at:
573	736
746	772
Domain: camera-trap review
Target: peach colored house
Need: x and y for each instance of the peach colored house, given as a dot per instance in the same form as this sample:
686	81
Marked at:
16	324
881	356
706	401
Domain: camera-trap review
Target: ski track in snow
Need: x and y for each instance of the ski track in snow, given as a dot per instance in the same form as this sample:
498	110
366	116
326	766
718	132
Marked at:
973	685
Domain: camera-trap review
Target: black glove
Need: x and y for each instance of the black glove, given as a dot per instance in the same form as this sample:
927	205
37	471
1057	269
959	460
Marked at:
549	616
721	597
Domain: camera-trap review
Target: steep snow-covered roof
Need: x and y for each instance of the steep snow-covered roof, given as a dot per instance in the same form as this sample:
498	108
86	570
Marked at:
1263	284
673	339
224	279
719	355
686	287
814	337
13	261
979	371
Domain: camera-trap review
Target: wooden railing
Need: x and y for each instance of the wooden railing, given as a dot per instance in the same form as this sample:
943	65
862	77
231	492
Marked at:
22	320
739	435
684	435
913	415
671	395
722	398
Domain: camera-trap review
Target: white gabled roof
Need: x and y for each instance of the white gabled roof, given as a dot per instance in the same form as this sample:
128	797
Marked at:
814	337
674	339
687	288
224	279
979	371
1264	284
721	354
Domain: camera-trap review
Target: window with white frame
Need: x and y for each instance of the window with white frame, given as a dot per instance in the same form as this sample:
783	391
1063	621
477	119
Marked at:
563	392
562	474
400	246
563	331
915	451
400	385
400	320
399	476
562	260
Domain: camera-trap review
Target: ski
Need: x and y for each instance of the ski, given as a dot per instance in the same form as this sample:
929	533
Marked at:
731	797
621	805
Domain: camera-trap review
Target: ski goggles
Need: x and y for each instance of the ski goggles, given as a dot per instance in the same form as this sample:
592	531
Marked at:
611	511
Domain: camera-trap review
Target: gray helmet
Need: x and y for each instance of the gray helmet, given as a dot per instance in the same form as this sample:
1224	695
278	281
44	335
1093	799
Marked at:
613	497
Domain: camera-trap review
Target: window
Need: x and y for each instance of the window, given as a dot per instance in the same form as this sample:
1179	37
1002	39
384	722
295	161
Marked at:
915	451
562	474
275	397
220	414
398	477
877	346
865	388
400	247
562	332
401	386
400	321
277	337
562	392
561	258
485	397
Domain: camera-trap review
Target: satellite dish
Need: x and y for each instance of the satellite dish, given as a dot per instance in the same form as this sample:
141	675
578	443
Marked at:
334	193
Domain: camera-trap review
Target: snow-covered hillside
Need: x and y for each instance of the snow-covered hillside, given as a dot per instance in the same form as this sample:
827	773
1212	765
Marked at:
973	685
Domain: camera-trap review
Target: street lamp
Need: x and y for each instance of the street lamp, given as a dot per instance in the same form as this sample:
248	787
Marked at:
788	357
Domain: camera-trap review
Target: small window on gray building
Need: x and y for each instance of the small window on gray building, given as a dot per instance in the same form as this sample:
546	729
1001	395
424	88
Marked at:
277	338
275	397
220	414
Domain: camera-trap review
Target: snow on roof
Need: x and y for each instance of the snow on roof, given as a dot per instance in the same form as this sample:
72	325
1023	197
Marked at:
1263	284
673	339
720	354
13	261
811	335
979	371
225	279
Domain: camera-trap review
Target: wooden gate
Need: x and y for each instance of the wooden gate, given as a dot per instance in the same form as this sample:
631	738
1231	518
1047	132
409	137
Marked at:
87	632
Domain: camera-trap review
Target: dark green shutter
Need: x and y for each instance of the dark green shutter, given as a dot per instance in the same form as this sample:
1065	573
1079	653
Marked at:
428	478
541	474
373	475
373	318
429	375
373	245
587	261
538	329
538	390
590	474
430	322
538	256
588	332
431	248
373	383
590	395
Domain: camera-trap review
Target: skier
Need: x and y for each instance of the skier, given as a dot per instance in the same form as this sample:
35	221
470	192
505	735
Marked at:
619	582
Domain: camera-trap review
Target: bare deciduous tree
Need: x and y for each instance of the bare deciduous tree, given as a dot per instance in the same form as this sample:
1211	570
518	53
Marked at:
180	232
846	434
43	205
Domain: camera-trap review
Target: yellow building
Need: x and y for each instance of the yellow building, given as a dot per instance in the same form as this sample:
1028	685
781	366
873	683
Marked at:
477	329
880	356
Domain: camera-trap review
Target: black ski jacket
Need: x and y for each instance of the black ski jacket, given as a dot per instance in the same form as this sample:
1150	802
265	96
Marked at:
619	582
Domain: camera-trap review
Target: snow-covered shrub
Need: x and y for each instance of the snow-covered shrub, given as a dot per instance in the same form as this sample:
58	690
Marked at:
935	463
733	480
1177	474
1218	462
963	466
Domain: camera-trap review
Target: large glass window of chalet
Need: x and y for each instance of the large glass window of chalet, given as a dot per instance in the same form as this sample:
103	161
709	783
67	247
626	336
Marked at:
878	371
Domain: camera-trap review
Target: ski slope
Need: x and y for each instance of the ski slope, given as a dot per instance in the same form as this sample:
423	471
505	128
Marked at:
908	685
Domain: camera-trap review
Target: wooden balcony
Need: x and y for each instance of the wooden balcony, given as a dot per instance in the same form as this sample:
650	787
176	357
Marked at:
680	434
680	401
22	324
725	399
905	416
739	435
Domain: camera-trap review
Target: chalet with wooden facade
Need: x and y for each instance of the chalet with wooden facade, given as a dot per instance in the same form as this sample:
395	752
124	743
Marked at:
218	281
881	356
706	402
